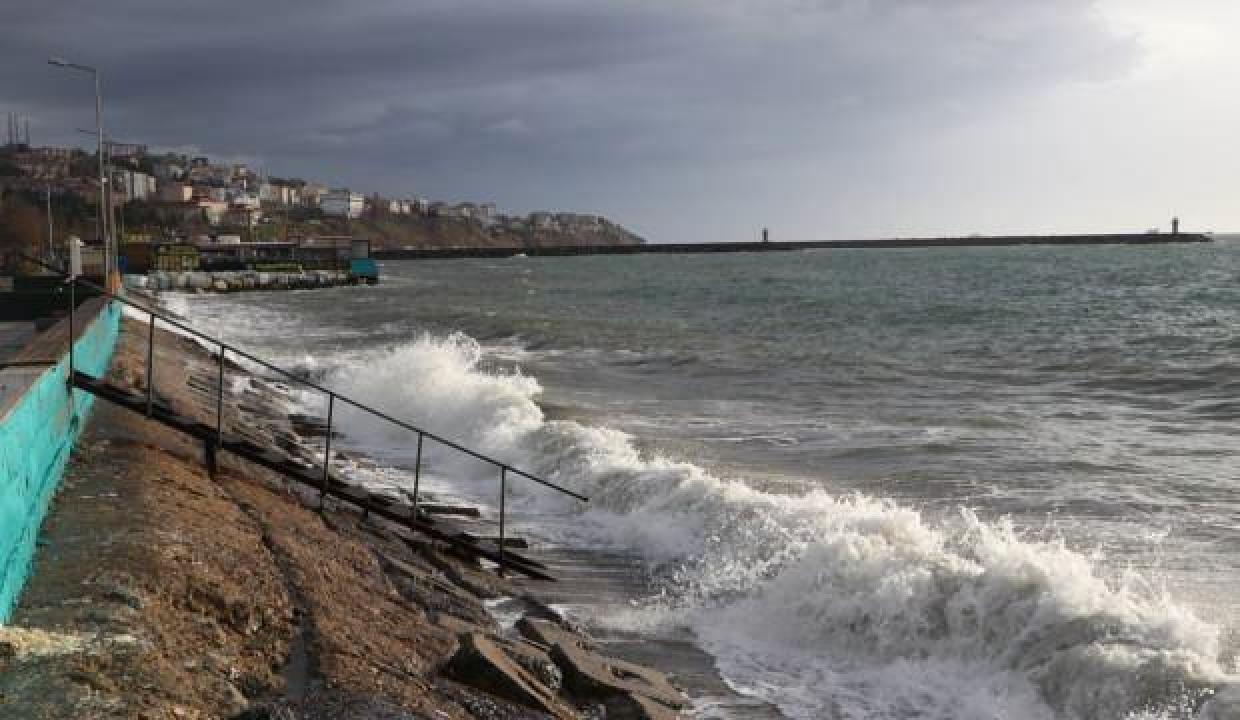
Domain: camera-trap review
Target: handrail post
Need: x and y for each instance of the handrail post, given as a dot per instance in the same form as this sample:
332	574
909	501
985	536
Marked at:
503	495
219	402
417	475
327	451
72	308
150	368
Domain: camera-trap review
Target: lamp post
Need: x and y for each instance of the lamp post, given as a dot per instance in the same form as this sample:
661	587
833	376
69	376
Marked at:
118	239
103	210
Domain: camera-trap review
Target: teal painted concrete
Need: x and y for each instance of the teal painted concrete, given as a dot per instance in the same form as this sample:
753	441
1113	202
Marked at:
35	440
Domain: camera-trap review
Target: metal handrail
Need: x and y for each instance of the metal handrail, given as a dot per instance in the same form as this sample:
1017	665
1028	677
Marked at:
332	397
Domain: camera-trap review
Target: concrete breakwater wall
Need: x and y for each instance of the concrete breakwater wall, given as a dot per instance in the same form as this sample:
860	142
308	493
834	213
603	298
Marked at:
236	281
39	423
750	247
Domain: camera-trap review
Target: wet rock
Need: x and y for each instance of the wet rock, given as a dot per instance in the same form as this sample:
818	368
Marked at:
481	663
1224	705
590	675
458	571
536	660
460	626
539	610
548	633
630	706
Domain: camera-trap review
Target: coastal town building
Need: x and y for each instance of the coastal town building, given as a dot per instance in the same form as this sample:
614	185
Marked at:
169	171
279	194
44	163
343	203
312	194
138	185
212	211
175	192
175	257
126	151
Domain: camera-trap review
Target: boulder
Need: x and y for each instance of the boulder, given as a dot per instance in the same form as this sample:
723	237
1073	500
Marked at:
481	663
536	660
590	675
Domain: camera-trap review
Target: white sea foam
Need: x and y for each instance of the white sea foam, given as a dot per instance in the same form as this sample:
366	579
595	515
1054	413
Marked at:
850	607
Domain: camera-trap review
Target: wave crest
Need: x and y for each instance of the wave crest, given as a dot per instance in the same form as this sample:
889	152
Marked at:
830	606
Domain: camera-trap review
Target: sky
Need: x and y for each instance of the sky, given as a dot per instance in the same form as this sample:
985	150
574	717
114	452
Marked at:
684	120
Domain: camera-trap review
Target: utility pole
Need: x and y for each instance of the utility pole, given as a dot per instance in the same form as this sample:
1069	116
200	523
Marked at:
51	244
103	211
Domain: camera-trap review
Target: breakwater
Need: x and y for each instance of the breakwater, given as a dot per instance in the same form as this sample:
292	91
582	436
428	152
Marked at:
750	247
39	421
236	281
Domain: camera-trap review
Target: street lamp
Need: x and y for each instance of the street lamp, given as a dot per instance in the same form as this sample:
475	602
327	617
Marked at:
117	238
103	212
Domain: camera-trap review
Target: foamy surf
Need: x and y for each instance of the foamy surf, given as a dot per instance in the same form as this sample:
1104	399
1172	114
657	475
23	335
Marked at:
848	607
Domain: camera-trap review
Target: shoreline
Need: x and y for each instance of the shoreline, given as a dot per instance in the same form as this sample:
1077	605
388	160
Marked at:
160	592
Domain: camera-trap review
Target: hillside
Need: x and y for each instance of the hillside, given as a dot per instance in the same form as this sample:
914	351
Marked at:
394	232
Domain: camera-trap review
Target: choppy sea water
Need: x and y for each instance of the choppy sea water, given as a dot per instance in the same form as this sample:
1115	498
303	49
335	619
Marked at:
948	483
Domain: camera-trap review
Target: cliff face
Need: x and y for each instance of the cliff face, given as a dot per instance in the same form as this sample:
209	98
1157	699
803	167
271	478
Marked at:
395	232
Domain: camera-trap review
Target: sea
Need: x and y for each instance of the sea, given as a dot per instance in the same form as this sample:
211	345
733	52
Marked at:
900	483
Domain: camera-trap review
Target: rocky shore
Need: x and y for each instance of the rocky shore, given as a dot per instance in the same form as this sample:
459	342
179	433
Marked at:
160	591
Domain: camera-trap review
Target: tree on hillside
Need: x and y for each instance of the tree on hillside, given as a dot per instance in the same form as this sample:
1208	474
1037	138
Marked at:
22	226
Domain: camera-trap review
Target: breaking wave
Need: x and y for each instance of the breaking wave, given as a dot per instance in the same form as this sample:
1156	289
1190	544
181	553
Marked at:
829	606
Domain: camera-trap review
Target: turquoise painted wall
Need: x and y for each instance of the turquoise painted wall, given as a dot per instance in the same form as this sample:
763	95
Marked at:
35	440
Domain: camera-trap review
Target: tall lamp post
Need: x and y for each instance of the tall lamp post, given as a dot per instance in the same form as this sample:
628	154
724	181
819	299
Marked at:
108	262
118	238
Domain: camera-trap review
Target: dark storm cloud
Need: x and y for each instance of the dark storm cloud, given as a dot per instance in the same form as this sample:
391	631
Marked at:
545	102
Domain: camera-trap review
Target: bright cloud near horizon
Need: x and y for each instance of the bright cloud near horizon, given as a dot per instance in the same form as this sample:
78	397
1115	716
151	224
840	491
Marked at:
691	120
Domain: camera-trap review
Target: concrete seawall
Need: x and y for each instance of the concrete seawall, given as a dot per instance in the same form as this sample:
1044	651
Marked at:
695	248
39	423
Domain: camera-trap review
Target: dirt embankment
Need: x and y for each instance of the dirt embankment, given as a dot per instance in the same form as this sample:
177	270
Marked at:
162	592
